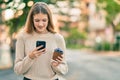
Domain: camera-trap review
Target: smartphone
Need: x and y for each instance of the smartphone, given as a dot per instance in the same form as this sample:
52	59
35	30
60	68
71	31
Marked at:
39	43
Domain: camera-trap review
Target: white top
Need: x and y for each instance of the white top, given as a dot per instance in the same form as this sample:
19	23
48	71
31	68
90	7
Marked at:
39	68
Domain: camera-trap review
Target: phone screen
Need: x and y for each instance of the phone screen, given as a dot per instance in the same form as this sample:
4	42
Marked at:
39	43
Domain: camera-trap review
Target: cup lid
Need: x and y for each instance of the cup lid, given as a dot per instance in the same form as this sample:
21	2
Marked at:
58	50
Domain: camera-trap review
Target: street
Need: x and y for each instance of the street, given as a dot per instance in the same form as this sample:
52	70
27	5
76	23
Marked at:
82	66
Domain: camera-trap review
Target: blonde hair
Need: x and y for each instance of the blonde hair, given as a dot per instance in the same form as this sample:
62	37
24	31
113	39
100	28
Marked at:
39	7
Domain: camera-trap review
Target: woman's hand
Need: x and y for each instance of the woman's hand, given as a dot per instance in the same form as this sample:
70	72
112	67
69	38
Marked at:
35	53
58	61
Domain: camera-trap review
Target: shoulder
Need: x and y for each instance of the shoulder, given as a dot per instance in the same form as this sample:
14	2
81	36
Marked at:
58	36
22	35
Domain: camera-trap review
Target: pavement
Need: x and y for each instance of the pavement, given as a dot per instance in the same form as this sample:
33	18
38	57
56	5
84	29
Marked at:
83	65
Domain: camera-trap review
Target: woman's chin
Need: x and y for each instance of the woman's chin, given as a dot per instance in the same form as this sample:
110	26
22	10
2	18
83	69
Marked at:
41	31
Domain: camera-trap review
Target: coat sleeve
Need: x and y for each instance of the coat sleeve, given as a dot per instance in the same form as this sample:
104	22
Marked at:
63	67
22	62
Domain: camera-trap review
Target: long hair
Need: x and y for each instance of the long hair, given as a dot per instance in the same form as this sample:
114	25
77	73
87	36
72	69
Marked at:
39	7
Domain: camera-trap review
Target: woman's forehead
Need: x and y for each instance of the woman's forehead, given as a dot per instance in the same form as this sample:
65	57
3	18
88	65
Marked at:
40	15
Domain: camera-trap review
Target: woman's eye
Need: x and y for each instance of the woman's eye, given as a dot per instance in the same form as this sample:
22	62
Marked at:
44	20
36	20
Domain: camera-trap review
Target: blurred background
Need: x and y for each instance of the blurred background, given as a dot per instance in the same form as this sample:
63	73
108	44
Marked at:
87	25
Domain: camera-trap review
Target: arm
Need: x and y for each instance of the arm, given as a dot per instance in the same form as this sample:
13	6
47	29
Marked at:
62	68
22	62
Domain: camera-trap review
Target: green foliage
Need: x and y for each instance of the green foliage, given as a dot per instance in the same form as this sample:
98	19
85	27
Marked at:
75	34
75	39
116	46
117	28
106	46
75	46
66	27
16	23
112	9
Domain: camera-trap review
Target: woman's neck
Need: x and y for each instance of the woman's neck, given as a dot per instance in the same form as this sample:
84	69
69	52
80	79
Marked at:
43	32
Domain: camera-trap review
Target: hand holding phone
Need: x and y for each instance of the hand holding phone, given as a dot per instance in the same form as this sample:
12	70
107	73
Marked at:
39	43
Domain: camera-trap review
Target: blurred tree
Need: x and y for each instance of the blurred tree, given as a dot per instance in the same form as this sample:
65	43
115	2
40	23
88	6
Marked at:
112	9
21	9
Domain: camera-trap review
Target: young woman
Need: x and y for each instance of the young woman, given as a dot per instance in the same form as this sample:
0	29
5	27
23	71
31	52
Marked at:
37	64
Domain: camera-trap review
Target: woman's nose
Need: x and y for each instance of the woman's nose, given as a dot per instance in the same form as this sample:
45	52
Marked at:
40	23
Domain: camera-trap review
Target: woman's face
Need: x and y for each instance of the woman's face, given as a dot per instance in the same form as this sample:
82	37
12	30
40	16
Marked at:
40	22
